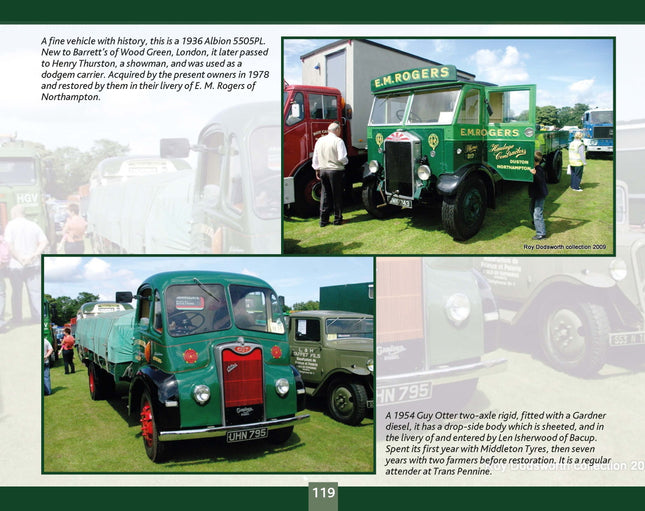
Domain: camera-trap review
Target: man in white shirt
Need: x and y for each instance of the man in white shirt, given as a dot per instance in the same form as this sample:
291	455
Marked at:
27	242
329	160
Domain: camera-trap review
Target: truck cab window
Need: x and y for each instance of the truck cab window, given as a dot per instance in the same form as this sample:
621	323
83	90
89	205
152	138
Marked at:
469	113
307	329
296	112
509	106
435	107
196	309
252	306
388	110
143	314
322	106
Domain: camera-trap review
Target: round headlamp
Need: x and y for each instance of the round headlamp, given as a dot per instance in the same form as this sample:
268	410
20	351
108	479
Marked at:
618	269
457	308
370	365
201	394
282	387
373	166
424	172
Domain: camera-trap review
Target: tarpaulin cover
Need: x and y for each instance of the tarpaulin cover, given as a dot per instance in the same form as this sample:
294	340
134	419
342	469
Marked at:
108	335
148	214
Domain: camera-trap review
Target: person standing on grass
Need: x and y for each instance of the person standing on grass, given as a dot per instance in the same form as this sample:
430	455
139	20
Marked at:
538	192
329	160
68	351
47	351
577	160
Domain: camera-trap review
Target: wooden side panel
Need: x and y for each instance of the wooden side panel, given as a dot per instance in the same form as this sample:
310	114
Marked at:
399	299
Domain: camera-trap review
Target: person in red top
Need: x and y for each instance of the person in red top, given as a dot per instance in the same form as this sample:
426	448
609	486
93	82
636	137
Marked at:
68	351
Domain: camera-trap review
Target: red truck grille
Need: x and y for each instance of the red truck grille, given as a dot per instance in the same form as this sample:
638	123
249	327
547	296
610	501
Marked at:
243	384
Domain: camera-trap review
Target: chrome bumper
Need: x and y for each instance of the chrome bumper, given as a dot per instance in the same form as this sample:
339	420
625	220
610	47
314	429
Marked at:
447	374
215	431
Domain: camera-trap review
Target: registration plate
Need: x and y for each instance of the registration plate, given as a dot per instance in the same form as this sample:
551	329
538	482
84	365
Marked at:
627	339
404	203
391	394
245	435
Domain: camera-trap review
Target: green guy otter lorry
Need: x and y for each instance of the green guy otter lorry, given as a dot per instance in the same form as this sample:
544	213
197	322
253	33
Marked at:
205	354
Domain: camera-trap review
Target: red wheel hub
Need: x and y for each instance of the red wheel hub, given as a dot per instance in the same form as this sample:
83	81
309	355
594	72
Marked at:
146	423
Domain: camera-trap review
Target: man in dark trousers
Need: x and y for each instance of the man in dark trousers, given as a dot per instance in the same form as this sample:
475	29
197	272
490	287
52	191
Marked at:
329	160
538	192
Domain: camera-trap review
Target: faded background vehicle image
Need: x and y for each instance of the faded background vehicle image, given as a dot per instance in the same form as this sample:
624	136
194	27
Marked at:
230	203
436	321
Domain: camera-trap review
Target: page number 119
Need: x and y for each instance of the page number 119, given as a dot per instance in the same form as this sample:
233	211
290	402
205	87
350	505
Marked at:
323	497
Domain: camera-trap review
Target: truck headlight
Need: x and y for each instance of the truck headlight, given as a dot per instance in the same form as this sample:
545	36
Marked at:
618	269
370	365
457	308
201	394
282	387
374	166
423	172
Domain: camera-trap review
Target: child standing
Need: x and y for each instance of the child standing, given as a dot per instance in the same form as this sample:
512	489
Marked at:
538	192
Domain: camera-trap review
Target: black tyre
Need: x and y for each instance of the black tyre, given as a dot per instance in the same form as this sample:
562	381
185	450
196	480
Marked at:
280	436
554	167
347	402
308	190
576	337
155	449
463	214
373	201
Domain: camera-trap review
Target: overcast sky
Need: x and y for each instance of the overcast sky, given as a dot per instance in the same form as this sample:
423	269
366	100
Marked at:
298	279
566	71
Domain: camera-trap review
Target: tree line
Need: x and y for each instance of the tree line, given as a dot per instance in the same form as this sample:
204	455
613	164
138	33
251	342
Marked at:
64	308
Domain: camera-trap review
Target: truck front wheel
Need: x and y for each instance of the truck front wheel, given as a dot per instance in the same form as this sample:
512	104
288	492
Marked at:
463	214
347	402
308	191
373	201
576	337
154	448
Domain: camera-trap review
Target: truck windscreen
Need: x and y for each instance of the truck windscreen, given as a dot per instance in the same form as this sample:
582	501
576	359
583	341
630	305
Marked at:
343	328
196	309
17	171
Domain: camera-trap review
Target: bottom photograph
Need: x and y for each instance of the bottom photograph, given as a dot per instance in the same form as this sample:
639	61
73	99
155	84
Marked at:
208	364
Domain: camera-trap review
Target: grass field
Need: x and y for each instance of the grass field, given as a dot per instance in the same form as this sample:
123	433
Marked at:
85	436
584	219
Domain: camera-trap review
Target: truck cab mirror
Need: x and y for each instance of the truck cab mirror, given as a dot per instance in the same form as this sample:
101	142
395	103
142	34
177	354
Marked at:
174	148
281	302
123	297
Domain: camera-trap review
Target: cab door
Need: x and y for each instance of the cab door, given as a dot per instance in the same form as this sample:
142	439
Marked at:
510	133
306	347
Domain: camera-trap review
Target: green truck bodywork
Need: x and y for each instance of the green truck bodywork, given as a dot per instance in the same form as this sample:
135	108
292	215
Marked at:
432	138
23	181
334	353
348	297
204	353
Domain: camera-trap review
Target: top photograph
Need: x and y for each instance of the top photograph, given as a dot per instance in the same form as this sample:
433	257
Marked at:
448	146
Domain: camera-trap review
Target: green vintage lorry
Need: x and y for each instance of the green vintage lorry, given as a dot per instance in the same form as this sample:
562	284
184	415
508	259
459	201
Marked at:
433	139
334	353
205	354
